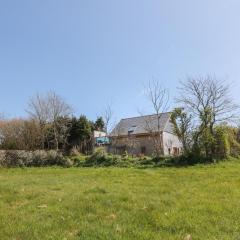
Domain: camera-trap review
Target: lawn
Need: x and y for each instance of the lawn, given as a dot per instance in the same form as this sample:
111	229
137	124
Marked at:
115	203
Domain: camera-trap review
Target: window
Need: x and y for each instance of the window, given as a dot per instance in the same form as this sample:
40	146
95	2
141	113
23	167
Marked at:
121	149
131	129
176	151
169	151
143	150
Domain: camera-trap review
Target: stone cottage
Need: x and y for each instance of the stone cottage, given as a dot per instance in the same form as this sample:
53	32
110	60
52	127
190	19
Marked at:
141	135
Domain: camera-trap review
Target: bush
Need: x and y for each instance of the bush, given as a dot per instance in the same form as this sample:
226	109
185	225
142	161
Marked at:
74	152
17	158
102	159
2	158
56	158
39	158
99	158
79	160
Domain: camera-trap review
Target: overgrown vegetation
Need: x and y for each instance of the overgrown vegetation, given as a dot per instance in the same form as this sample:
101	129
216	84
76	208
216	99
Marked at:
102	159
39	158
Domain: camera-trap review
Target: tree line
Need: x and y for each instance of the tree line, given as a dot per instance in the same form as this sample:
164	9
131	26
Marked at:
51	125
205	119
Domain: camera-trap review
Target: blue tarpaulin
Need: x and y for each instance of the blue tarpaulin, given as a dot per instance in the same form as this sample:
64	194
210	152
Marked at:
102	140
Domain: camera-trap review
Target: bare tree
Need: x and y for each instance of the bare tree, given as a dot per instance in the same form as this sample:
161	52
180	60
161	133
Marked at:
204	94
49	109
11	134
132	143
116	140
31	135
158	97
19	134
107	117
58	110
38	110
209	101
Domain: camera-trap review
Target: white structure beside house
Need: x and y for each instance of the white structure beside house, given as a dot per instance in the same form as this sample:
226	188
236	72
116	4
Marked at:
100	138
99	134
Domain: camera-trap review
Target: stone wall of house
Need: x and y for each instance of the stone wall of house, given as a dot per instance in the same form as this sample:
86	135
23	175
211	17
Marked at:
138	145
135	145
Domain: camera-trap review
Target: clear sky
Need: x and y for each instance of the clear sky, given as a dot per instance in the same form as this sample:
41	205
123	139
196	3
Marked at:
97	51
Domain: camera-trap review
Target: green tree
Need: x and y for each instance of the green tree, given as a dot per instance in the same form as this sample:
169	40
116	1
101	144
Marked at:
99	124
182	128
80	134
209	101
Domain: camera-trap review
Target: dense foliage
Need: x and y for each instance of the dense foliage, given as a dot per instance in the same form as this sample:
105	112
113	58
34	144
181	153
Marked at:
201	144
64	134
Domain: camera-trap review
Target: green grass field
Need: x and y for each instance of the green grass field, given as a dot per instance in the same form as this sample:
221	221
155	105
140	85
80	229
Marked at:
114	203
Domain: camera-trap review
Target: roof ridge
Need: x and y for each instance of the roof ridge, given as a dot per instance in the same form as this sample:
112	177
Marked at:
166	123
149	115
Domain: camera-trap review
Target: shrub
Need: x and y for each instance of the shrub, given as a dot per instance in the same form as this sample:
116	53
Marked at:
2	158
97	158
56	158
102	159
17	158
39	158
74	152
125	155
79	160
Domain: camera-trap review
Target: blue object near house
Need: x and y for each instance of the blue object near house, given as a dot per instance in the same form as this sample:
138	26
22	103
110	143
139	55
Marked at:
102	140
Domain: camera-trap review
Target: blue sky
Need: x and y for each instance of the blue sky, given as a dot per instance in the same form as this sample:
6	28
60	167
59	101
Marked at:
93	52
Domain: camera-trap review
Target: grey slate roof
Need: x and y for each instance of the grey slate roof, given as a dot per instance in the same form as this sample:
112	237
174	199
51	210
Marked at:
141	125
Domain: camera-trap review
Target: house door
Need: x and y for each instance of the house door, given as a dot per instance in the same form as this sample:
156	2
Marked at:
143	150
